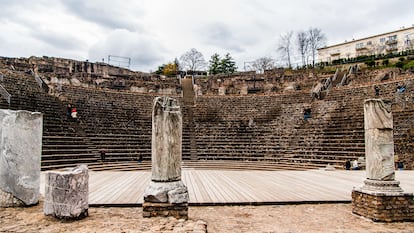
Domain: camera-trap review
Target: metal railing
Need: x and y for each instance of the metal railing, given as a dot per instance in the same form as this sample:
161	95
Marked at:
5	94
41	83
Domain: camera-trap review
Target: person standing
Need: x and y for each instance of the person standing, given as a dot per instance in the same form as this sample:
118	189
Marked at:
377	90
69	111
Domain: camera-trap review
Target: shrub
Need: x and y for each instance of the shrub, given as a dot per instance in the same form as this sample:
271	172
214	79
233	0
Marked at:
409	65
370	63
385	62
399	64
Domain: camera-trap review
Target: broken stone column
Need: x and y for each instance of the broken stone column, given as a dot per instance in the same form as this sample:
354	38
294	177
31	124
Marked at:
20	153
381	198
66	193
166	194
379	142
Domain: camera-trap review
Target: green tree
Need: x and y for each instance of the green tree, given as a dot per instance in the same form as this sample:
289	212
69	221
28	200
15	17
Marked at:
215	64
225	65
228	65
160	69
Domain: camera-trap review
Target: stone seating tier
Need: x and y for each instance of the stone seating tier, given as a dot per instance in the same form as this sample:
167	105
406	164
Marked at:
266	128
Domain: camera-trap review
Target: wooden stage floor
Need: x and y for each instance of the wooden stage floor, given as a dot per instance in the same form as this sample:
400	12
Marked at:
226	187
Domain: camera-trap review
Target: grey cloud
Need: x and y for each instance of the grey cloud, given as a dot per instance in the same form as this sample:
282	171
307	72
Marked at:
144	51
59	41
103	14
221	36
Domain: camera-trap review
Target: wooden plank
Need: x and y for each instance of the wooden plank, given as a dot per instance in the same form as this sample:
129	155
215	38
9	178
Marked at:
230	186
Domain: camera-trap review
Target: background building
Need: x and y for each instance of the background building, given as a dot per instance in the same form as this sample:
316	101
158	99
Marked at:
390	42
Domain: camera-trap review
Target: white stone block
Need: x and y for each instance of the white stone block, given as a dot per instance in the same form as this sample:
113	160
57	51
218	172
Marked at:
20	155
66	193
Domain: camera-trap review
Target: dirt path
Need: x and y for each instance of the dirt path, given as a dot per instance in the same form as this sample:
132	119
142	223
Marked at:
276	218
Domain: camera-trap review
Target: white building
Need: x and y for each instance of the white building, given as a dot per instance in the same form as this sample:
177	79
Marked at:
390	42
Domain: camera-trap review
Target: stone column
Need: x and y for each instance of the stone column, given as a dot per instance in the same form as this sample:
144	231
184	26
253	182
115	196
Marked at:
66	193
166	140
379	142
166	194
381	198
20	153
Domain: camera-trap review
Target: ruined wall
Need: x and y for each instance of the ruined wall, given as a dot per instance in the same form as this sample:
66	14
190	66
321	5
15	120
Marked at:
59	71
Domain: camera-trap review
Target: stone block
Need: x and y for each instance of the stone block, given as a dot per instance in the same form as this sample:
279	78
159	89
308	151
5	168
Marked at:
20	153
166	192
66	193
222	90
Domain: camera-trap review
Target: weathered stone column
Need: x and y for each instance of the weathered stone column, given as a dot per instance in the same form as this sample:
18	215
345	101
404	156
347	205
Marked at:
166	140
381	198
379	142
166	194
66	193
20	153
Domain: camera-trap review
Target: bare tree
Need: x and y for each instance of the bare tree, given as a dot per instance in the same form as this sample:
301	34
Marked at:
303	46
192	60
285	46
263	63
317	39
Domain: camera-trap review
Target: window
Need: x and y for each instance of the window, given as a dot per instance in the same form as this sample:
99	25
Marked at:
394	37
382	40
369	43
359	45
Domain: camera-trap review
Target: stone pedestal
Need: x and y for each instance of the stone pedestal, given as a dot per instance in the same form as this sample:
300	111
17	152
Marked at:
66	193
381	198
166	195
383	206
20	153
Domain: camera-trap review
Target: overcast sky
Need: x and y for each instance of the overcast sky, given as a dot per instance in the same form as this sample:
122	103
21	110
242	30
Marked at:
153	32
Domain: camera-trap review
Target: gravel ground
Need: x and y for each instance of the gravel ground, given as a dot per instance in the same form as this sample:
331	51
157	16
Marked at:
272	218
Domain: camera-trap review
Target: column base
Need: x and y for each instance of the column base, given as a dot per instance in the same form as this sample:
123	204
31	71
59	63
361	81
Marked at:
383	201
379	186
151	209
